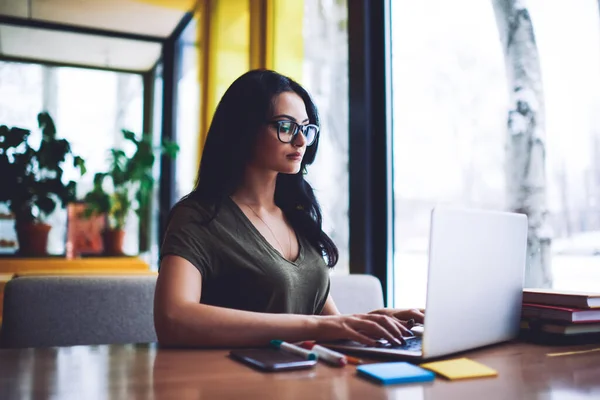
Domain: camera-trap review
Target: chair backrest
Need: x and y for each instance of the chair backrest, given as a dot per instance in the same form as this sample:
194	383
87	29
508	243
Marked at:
356	294
44	311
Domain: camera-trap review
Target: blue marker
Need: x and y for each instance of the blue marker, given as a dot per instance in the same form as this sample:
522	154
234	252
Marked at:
290	348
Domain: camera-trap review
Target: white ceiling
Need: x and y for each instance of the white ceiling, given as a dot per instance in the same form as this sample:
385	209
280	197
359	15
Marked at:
139	17
131	16
77	49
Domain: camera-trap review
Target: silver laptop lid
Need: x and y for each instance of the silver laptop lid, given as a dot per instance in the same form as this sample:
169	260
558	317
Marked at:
475	279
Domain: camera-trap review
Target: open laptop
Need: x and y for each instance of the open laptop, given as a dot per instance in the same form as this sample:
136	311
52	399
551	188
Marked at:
474	287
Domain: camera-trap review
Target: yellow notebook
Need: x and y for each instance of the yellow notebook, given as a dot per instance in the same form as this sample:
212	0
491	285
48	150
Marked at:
460	368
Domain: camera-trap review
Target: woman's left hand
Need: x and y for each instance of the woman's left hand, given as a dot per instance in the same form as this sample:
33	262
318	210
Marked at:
407	317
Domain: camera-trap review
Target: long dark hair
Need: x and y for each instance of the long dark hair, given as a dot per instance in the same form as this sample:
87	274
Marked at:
242	111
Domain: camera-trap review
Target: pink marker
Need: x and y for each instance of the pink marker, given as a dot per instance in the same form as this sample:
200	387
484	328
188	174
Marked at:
325	354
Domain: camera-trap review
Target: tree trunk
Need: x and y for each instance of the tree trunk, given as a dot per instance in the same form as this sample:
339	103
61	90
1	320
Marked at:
526	153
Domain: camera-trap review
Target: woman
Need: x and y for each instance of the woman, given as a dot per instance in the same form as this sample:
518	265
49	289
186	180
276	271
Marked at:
244	259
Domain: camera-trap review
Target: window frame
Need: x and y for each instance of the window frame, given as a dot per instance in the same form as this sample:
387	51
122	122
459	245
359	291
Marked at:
370	162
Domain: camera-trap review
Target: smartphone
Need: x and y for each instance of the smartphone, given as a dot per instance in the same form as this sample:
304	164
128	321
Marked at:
271	360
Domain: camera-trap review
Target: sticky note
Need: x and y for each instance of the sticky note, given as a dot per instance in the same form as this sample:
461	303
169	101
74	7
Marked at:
460	368
394	372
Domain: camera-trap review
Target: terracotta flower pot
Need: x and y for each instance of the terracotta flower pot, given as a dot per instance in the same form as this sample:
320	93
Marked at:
33	238
113	242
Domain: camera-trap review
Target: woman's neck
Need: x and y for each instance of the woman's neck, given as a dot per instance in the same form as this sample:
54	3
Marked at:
258	189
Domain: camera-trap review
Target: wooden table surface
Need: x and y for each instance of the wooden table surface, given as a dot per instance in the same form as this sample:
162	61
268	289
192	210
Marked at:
148	372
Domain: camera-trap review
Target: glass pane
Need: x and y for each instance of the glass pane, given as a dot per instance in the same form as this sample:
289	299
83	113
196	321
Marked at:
325	76
570	63
20	93
188	111
157	106
449	123
89	108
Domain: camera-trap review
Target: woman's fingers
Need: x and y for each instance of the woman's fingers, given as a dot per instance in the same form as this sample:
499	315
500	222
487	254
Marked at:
379	326
395	326
368	328
415	314
361	338
378	331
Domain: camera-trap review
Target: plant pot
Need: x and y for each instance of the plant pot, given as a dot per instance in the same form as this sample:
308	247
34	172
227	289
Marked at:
113	242
33	238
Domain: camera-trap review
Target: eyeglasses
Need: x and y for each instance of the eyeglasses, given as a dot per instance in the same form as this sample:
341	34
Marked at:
288	130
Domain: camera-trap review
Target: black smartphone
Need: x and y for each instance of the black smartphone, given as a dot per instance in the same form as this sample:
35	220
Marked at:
271	360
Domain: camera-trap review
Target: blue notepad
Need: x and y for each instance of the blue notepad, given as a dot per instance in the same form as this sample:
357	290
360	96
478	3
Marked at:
395	372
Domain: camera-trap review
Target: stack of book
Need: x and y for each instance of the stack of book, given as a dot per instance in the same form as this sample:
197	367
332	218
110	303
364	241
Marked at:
557	316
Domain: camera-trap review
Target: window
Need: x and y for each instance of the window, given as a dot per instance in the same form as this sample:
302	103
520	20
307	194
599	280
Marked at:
20	92
157	109
570	64
89	108
450	101
450	108
325	76
188	111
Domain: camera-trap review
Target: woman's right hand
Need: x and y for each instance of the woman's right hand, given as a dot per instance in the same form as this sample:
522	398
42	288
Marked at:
362	328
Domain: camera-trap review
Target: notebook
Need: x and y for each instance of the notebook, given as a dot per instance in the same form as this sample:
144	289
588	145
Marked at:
560	329
561	298
394	372
557	313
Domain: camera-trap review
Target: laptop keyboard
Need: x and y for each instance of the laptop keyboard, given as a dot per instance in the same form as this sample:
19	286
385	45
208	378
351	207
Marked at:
413	343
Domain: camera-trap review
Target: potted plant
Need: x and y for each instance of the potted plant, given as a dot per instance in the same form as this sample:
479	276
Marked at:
132	184
31	181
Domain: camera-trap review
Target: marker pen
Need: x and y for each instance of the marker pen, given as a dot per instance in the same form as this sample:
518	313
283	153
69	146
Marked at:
290	348
325	354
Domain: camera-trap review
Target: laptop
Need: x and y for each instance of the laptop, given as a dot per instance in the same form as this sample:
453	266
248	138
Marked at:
474	287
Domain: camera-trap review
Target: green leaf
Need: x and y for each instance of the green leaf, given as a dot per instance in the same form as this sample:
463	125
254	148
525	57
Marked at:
46	124
70	193
170	148
79	162
12	137
98	201
128	135
45	204
99	180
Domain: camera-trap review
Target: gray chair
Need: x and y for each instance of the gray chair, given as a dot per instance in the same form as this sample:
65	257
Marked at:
44	311
356	294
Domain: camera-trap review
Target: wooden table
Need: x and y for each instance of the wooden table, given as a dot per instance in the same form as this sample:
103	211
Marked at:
148	372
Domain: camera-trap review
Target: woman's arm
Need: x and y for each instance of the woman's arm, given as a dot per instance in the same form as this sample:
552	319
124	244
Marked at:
181	320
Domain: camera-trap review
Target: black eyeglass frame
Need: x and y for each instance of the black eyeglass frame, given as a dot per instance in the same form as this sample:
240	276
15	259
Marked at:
297	128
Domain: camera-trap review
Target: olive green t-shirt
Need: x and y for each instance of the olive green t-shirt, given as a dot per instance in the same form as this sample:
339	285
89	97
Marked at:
239	268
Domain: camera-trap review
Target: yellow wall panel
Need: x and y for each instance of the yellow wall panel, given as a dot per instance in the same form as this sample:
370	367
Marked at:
184	5
226	54
285	39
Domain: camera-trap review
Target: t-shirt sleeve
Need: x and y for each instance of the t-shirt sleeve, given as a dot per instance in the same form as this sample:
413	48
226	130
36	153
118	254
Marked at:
321	305
187	237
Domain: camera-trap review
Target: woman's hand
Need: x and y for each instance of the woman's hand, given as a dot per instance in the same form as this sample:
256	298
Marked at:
363	328
407	317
